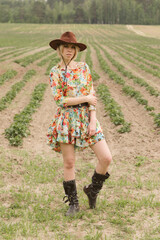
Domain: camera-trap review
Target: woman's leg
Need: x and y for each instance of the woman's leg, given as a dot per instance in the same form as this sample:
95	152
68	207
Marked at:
104	156
101	173
68	161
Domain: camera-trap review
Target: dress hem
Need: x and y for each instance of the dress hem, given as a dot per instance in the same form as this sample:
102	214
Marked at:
75	146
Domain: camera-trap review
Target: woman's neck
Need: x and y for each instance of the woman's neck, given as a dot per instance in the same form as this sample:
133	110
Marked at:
71	64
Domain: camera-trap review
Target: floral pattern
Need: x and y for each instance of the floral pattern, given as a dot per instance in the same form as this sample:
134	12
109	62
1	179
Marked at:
69	124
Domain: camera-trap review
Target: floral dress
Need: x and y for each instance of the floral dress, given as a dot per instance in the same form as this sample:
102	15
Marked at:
70	124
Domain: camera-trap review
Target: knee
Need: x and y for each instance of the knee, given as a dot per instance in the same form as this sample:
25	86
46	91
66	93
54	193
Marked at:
69	163
106	160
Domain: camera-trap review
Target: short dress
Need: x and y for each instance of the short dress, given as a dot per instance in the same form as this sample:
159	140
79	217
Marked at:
70	124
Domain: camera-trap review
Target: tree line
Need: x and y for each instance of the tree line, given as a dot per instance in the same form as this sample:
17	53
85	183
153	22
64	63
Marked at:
81	11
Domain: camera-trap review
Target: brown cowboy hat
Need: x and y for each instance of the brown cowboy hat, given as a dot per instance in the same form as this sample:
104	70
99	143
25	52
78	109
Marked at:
67	37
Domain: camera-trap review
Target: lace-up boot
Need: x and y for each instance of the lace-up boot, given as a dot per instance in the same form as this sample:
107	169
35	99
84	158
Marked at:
93	189
71	195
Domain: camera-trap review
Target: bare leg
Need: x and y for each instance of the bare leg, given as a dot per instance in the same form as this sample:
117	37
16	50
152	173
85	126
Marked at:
68	161
104	156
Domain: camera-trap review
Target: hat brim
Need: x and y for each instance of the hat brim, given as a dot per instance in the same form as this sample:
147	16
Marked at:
57	42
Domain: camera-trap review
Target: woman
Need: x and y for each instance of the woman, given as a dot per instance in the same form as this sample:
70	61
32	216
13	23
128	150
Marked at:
75	124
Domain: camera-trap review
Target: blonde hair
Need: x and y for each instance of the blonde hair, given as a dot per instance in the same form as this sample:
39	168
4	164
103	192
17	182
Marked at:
60	50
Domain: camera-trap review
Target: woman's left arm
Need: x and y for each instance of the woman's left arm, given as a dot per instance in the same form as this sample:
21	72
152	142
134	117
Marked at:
92	108
92	123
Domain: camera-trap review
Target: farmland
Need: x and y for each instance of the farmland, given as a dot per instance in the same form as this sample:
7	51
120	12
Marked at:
125	67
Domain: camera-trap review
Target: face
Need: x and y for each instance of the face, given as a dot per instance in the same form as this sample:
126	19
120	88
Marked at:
68	51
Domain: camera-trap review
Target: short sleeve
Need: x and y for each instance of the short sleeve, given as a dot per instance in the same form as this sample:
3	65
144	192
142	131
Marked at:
57	90
89	85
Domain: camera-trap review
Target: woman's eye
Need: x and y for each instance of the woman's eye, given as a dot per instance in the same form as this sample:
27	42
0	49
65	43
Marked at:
66	46
73	47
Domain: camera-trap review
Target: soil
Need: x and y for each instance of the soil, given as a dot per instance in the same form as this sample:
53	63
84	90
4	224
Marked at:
147	31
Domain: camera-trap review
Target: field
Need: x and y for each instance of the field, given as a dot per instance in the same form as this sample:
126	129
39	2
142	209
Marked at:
125	66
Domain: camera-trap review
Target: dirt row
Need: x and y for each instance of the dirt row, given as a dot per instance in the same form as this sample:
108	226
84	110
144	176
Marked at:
149	78
152	100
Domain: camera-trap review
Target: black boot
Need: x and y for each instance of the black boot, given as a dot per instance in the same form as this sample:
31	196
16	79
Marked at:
93	189
71	194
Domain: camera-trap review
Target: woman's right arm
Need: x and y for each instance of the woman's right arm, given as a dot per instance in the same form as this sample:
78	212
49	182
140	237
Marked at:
91	99
63	101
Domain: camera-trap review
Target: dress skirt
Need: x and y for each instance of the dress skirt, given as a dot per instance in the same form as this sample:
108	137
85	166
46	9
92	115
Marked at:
70	125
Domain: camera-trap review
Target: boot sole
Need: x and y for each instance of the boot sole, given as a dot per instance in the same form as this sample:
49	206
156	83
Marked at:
90	205
72	214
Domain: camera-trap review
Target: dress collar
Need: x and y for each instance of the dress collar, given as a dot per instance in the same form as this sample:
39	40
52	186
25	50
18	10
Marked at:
59	67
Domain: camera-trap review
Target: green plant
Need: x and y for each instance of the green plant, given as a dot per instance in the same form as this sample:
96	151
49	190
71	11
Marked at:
10	95
129	74
157	119
113	108
7	76
19	128
31	58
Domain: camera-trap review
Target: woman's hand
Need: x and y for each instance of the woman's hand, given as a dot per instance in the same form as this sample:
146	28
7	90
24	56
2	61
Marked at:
92	99
92	128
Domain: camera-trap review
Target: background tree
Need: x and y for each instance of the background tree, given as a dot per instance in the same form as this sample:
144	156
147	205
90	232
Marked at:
79	16
93	12
51	3
38	12
5	15
81	11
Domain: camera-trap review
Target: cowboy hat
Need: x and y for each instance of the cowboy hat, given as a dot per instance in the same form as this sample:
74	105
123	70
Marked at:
67	37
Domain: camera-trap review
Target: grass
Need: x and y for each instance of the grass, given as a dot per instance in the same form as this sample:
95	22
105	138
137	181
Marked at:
32	207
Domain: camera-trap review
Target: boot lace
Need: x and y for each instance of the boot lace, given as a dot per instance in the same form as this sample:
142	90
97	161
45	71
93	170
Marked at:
72	199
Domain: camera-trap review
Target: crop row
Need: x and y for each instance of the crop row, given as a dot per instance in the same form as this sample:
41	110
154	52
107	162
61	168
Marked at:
114	76
113	108
141	57
16	53
121	48
7	99
146	56
149	68
4	50
130	75
7	76
8	53
157	119
31	58
146	48
142	49
128	90
46	60
22	51
88	59
20	126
